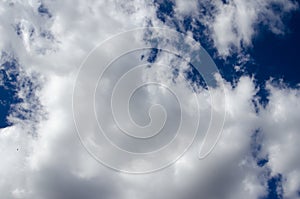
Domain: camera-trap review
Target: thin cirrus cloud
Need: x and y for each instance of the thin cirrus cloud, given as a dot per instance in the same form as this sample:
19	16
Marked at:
42	156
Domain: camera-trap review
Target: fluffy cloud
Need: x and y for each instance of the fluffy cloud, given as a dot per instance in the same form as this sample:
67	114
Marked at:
236	22
280	129
52	41
232	24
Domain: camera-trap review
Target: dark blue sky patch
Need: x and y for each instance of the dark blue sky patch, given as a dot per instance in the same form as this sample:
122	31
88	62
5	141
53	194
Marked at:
198	30
44	11
275	189
13	81
278	56
153	55
256	149
164	9
8	89
193	75
262	162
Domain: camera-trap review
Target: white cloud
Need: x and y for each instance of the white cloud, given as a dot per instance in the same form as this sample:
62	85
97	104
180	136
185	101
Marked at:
243	20
233	24
54	164
280	128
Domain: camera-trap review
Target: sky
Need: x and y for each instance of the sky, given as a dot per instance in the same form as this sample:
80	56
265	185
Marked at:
149	99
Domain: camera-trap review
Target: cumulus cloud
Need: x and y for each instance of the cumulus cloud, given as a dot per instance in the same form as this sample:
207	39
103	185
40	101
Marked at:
281	133
52	38
233	24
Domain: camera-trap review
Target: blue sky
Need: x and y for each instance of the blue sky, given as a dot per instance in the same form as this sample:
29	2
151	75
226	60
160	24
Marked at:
272	56
44	46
